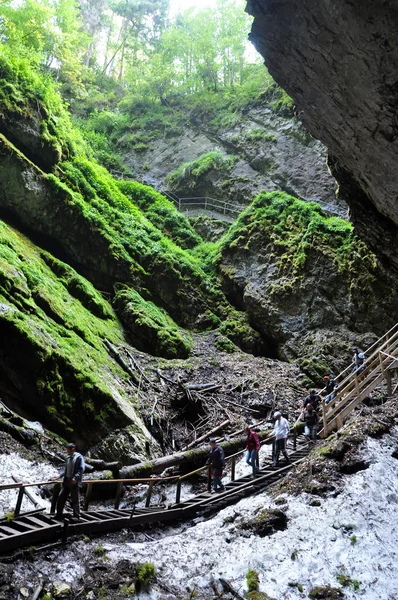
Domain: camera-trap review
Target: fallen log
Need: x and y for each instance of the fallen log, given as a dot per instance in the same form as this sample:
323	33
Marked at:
21	434
207	434
101	465
190	458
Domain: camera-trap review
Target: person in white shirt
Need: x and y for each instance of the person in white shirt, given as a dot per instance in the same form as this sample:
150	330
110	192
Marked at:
280	433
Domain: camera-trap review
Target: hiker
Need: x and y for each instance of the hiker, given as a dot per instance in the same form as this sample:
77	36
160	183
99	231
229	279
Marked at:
358	359
313	398
311	421
217	462
280	433
252	449
330	388
72	477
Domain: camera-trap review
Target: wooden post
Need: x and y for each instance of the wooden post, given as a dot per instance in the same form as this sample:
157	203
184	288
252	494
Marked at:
178	492
233	464
118	494
209	479
388	380
325	422
88	496
19	501
357	386
149	494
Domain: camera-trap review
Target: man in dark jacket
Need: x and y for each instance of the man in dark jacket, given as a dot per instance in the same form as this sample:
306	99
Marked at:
312	398
72	474
217	462
311	420
252	447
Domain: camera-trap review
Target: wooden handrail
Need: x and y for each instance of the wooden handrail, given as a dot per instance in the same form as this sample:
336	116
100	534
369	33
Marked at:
360	382
10	486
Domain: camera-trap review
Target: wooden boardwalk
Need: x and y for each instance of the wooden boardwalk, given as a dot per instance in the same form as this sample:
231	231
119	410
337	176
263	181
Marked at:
31	529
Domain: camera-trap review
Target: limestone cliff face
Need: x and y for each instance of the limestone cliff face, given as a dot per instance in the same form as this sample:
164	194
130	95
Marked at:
339	62
271	152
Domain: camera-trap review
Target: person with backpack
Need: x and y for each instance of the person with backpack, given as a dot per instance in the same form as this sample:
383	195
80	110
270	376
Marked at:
252	449
217	462
358	359
311	421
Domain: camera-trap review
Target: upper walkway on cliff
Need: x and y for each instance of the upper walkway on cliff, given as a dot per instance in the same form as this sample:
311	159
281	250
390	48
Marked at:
228	212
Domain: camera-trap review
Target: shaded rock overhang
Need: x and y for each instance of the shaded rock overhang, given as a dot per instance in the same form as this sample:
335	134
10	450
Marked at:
338	60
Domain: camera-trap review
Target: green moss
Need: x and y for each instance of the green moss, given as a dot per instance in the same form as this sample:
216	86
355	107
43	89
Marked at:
294	232
151	326
191	172
237	329
347	581
99	551
58	336
259	135
252	580
161	213
223	344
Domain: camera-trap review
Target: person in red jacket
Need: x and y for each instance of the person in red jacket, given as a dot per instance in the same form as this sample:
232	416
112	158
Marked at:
252	447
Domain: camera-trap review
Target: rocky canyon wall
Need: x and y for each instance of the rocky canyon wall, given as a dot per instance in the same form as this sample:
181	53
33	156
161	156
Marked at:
339	62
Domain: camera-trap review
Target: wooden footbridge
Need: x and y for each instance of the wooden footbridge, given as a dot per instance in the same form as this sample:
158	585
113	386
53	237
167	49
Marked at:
37	527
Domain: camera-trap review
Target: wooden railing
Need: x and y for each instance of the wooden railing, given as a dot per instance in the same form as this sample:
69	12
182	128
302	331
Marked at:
356	385
150	481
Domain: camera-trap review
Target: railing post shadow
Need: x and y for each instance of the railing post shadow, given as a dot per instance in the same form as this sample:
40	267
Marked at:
209	479
118	495
149	494
88	496
233	464
178	492
19	501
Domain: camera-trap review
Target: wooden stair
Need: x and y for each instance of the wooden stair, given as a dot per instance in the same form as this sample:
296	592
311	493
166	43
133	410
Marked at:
354	387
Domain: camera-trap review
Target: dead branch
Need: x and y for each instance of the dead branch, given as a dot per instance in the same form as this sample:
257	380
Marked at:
120	360
208	434
161	376
228	586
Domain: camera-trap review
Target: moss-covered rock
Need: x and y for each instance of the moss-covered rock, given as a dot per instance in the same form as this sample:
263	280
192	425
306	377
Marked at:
152	329
302	276
266	522
54	363
325	592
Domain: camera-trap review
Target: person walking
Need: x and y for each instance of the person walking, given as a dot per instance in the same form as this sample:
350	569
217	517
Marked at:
312	398
280	434
217	462
311	421
358	358
72	477
330	388
252	449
